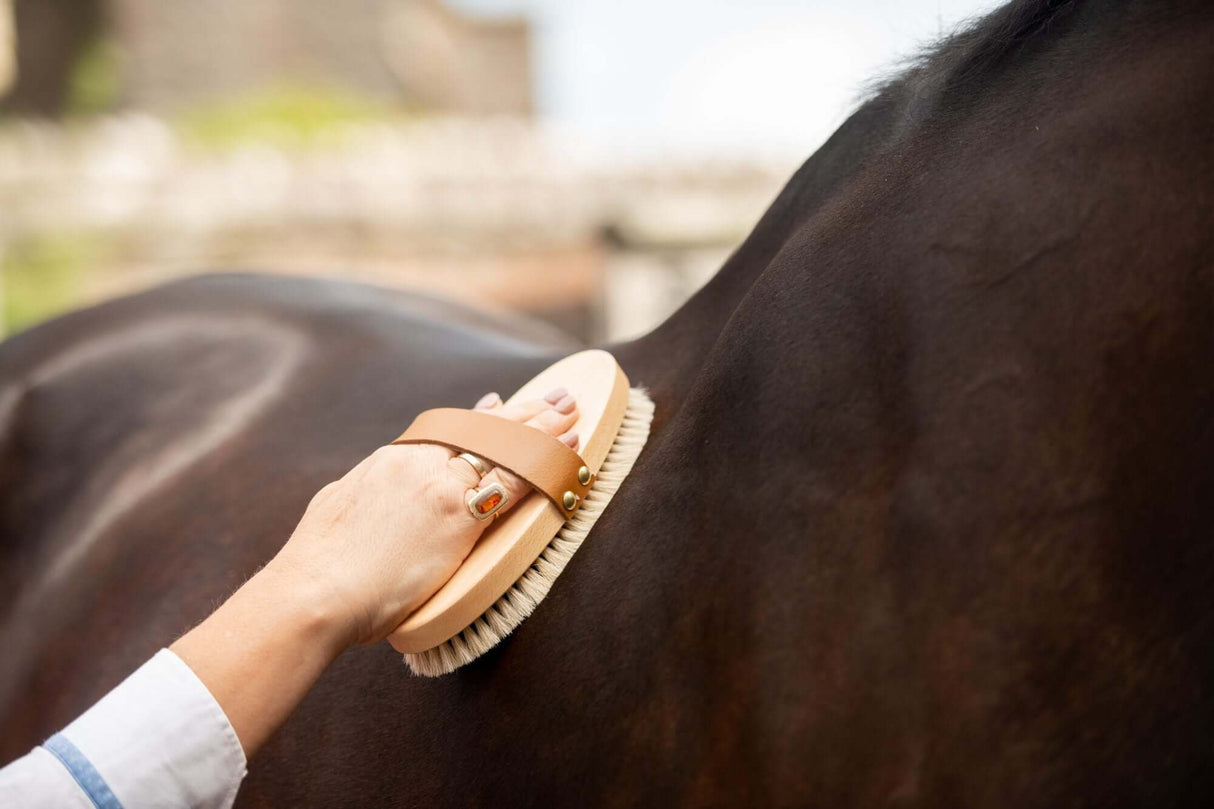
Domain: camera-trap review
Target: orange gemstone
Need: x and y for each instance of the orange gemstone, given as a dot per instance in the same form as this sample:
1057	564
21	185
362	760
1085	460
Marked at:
489	503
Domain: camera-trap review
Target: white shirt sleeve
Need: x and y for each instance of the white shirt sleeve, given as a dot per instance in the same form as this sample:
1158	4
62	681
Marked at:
158	739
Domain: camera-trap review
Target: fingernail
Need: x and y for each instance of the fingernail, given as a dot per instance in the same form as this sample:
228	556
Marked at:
571	439
487	401
556	395
565	405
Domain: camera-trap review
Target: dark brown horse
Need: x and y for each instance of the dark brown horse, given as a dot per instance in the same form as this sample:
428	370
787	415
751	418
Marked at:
927	516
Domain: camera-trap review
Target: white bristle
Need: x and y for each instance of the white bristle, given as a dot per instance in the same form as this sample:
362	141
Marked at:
525	595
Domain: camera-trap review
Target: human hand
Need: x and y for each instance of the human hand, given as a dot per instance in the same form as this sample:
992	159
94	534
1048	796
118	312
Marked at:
381	540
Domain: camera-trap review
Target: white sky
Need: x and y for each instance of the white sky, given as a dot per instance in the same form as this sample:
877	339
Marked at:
756	77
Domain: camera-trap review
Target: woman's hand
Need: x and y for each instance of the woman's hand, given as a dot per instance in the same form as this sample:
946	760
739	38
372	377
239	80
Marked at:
381	540
370	548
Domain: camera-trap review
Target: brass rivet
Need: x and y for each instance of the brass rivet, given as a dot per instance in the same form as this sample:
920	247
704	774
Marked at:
583	475
570	500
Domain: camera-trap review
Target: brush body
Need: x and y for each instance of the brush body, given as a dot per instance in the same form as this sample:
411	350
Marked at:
521	599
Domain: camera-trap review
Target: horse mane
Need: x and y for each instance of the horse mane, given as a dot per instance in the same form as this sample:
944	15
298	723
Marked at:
977	47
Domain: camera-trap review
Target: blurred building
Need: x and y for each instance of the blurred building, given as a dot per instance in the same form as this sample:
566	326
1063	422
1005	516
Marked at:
388	142
175	54
496	213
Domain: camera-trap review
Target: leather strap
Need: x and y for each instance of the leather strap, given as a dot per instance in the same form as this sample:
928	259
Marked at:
538	458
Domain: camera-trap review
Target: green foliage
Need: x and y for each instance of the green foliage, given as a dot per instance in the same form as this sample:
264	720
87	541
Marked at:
95	83
40	276
286	117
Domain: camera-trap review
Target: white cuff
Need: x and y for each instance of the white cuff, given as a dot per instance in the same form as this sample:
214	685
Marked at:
39	781
161	739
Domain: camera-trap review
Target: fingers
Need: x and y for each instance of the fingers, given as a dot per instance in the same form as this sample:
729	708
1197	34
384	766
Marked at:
468	477
517	411
487	401
557	409
555	414
461	469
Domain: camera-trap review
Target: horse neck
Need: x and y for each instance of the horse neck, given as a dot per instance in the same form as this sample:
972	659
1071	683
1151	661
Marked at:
881	151
671	355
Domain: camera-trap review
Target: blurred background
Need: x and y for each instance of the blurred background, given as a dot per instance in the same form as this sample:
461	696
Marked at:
589	162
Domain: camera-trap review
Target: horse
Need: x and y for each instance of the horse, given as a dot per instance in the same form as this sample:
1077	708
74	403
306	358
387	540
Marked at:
923	520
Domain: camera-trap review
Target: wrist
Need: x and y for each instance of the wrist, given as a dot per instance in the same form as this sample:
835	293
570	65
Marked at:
305	606
260	652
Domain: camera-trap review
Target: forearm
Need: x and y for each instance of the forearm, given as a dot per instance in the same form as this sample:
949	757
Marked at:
179	730
263	649
370	547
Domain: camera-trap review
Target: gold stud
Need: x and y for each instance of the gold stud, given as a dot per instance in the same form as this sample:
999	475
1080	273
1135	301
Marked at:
570	501
583	476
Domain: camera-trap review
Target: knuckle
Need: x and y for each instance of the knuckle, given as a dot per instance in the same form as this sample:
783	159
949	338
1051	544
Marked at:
462	471
445	495
546	420
322	495
384	454
515	486
391	459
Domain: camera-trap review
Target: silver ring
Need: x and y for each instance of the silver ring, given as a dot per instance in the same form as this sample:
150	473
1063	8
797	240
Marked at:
476	463
487	501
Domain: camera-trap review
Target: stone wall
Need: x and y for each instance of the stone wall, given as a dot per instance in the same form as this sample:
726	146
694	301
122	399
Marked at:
498	213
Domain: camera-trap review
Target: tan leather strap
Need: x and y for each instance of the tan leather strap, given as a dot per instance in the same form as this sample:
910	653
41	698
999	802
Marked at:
538	458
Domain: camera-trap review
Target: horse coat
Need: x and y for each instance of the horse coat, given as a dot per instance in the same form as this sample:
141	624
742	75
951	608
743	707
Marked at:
924	519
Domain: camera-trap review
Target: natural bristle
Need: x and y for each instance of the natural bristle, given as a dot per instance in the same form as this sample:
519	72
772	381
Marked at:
525	595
